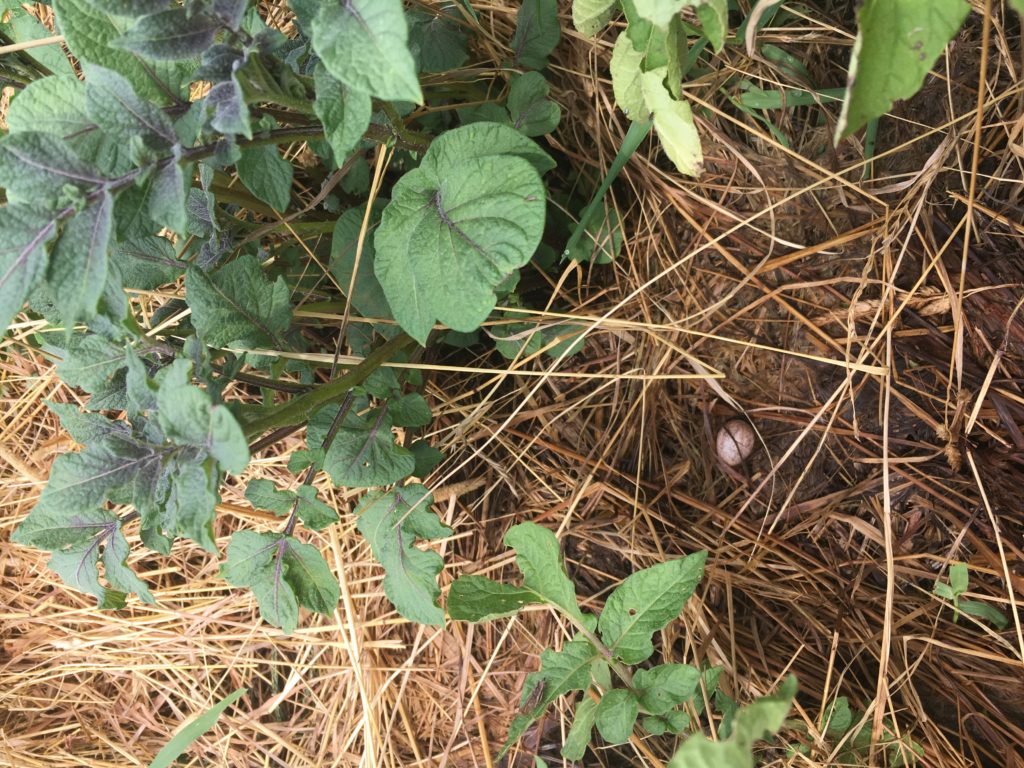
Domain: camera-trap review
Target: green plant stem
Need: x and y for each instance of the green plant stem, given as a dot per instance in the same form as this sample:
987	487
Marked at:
621	670
311	471
298	409
634	136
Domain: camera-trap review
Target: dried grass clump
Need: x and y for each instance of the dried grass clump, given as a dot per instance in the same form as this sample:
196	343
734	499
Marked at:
867	324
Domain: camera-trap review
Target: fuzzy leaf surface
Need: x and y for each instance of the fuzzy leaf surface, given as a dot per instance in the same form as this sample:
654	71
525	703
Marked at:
171	35
455	228
24	234
283	573
344	111
267	175
238	304
77	271
363	43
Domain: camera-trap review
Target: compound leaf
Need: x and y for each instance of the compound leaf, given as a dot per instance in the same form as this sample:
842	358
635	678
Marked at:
645	603
537	33
616	714
238	304
897	44
364	453
283	573
391	522
455	228
752	723
363	44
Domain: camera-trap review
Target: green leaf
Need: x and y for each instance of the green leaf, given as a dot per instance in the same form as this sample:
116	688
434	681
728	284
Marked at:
560	672
188	417
171	35
363	43
410	411
531	111
366	295
539	558
391	522
344	111
673	121
439	44
626	72
756	721
616	715
130	8
364	453
427	457
601	241
38	168
24	234
959	579
91	362
230	113
315	514
838	718
984	611
167	195
83	426
476	598
537	33
666	686
77	271
714	21
659	12
673	721
283	573
267	175
183	739
90	33
114	107
22	27
645	603
897	44
483	140
578	738
237	304
590	16
54	105
147	263
455	228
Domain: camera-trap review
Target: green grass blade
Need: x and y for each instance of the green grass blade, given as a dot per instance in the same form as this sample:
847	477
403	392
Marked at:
200	725
634	137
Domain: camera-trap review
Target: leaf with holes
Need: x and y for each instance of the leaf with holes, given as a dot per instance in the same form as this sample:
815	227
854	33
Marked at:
897	44
645	603
283	573
364	453
455	228
391	522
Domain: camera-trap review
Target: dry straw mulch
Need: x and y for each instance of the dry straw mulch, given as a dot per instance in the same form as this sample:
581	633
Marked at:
864	317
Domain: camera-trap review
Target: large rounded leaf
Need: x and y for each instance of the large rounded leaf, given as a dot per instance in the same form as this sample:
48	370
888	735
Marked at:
452	232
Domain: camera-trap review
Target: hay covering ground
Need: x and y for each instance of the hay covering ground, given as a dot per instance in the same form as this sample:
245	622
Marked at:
776	287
